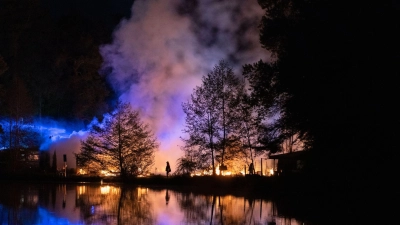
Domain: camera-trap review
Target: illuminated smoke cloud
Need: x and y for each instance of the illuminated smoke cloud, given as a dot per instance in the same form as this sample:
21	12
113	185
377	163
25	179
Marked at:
159	54
62	137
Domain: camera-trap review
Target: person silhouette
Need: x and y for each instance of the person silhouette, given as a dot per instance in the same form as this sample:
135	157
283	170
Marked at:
168	168
251	168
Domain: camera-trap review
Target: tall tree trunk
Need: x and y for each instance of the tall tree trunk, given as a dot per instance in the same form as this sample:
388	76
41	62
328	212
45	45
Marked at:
211	142
122	170
224	128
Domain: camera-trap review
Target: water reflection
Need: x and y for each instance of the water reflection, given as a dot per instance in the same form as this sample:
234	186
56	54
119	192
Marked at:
166	197
116	204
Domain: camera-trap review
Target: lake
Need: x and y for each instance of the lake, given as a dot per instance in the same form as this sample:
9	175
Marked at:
108	203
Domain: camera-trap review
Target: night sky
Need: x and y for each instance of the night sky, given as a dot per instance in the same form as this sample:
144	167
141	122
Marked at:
155	53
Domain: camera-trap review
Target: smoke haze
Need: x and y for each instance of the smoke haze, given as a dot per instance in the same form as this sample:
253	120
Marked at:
160	54
156	59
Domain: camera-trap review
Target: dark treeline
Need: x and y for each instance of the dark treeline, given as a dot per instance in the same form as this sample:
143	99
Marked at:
50	59
337	61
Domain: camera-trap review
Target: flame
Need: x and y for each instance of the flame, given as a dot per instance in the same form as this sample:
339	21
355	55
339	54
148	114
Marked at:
107	173
81	171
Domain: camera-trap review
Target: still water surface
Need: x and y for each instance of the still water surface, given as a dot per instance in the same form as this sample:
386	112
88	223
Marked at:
116	204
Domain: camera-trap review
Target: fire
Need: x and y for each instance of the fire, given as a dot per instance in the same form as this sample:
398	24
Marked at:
271	172
107	173
82	172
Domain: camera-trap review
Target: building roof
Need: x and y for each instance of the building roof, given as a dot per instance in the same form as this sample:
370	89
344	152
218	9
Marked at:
291	155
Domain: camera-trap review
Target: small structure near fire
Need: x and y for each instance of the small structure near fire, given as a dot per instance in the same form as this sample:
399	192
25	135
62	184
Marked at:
19	159
289	163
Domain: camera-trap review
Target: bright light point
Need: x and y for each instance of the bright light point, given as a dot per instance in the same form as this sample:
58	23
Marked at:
81	171
104	190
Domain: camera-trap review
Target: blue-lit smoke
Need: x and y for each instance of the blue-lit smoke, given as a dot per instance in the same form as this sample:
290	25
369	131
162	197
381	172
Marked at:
61	137
54	131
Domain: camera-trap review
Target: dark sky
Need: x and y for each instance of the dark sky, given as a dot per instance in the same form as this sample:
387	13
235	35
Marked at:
96	9
106	12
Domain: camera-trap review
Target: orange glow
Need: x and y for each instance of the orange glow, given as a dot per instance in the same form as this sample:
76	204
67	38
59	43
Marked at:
217	171
104	190
271	172
107	173
81	171
81	190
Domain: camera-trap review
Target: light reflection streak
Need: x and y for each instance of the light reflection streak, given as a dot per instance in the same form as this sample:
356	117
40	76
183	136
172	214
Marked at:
104	190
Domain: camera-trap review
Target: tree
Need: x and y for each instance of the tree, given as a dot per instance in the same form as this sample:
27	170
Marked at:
185	166
44	160
122	143
262	108
227	90
340	93
248	127
18	109
201	122
210	117
18	131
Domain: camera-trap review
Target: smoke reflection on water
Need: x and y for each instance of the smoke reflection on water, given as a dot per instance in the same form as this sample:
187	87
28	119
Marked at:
113	204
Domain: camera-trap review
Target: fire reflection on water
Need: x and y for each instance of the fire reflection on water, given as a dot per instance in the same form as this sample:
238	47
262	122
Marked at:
114	204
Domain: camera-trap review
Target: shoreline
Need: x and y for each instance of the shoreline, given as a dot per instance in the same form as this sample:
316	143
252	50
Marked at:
249	184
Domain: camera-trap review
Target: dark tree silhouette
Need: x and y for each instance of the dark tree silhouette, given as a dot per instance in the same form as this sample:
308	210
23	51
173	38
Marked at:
185	166
54	162
210	117
122	143
336	63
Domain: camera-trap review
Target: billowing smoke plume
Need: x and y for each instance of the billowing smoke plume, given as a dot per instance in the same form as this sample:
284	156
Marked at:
160	54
